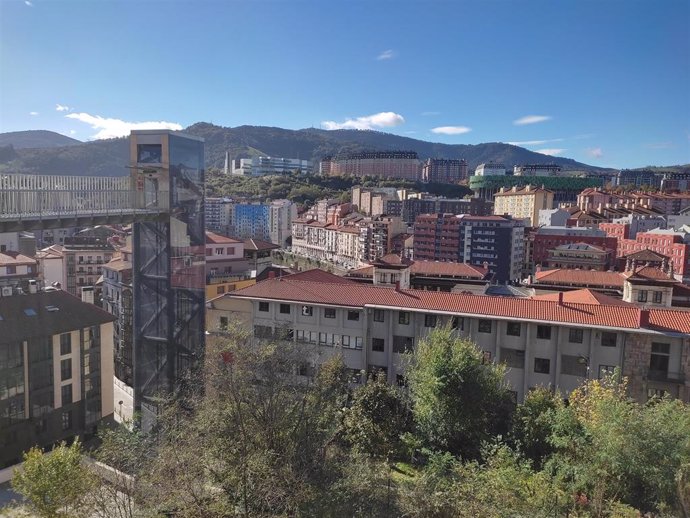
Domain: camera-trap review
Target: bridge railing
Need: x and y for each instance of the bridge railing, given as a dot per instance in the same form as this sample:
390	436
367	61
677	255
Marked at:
42	196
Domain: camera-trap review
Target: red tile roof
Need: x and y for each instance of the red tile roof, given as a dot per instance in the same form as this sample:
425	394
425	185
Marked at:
562	277
584	297
217	239
649	272
361	295
316	275
257	244
448	269
11	258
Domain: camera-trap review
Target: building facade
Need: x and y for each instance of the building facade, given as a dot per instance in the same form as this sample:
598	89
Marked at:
56	371
440	170
523	203
384	164
266	165
556	341
490	169
494	241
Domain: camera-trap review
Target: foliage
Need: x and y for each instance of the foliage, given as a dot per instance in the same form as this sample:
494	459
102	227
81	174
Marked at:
533	424
55	484
379	414
459	400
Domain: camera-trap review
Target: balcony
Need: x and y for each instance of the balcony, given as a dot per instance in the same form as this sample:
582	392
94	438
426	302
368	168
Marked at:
665	376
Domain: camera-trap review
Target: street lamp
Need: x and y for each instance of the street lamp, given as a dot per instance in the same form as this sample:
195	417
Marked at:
584	360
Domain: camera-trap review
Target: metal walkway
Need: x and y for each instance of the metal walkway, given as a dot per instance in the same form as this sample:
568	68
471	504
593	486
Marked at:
32	202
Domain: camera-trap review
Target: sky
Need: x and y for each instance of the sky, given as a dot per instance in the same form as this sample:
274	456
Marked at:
603	82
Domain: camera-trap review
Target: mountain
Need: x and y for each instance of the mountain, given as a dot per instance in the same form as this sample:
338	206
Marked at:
110	157
36	139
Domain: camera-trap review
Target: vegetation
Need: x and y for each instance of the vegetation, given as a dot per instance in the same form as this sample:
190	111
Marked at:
307	188
260	441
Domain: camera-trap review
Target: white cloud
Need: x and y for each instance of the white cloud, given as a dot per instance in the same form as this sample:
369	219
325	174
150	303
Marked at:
30	4
595	152
33	113
62	108
386	54
451	130
534	142
531	119
550	151
112	128
72	132
429	114
377	120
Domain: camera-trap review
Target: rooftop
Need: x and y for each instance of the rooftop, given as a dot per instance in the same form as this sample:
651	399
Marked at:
218	239
11	258
601	314
562	277
258	245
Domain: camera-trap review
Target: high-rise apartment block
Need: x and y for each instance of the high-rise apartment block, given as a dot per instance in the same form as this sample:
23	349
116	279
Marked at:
266	165
496	242
219	214
490	169
439	170
270	222
536	170
523	203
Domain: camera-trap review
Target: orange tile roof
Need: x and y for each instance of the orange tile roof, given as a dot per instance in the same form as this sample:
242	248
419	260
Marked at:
217	239
11	258
317	275
258	244
584	296
649	272
562	276
448	269
361	295
118	264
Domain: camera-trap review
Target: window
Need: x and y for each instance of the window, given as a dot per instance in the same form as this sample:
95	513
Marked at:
220	290
322	339
608	339
300	335
404	317
359	342
513	358
401	380
285	309
263	306
573	365
307	311
513	329
484	326
346	340
544	332
66	369
11	269
377	344
219	251
542	365
575	336
655	392
66	394
67	420
378	315
429	320
458	323
263	332
353	315
402	344
657	296
606	370
223	322
231	250
329	313
658	361
642	296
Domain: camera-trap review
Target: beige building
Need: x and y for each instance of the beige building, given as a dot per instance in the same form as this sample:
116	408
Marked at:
554	340
523	203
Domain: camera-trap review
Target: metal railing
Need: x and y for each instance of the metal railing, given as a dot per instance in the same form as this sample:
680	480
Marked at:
25	196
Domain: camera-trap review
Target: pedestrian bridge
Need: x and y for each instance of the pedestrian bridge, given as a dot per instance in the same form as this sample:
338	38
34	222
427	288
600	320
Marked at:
32	202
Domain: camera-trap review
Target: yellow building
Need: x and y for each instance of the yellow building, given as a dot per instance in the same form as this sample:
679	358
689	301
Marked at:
523	203
222	285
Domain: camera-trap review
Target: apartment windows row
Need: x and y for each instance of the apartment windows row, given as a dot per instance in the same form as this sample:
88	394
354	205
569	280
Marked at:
643	296
572	365
575	335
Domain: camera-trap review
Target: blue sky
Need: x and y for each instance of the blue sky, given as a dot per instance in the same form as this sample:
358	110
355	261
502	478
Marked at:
603	82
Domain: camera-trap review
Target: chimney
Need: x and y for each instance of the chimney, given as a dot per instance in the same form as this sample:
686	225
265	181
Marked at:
644	318
560	298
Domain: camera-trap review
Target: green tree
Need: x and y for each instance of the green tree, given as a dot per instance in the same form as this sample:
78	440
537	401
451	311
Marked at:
458	399
56	484
533	424
377	418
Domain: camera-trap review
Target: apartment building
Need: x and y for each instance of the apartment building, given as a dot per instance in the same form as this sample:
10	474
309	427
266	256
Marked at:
16	267
490	169
383	164
264	221
119	302
670	243
218	215
537	170
497	241
523	203
56	370
554	340
544	239
266	165
579	255
440	170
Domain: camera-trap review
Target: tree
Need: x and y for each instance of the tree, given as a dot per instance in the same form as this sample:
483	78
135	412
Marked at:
56	484
377	418
458	399
533	424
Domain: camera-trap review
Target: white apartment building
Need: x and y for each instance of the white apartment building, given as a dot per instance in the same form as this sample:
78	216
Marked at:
266	165
490	169
554	340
